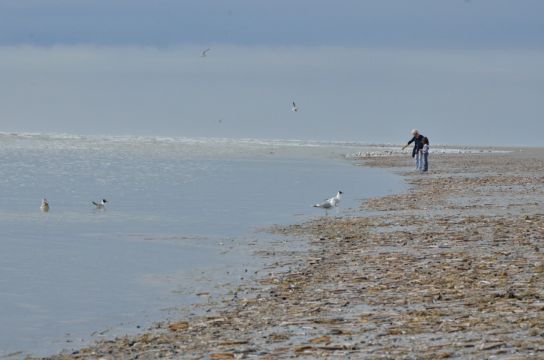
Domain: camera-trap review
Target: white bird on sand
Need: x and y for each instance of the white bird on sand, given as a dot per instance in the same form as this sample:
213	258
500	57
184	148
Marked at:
45	205
205	53
330	203
101	205
294	108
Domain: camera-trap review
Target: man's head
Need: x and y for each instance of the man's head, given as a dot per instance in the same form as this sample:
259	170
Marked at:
414	132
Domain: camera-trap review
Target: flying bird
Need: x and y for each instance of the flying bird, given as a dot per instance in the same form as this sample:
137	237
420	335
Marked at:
205	53
330	203
45	206
294	108
101	205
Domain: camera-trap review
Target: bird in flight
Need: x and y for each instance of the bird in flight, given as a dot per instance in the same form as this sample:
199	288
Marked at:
294	108
330	203
205	53
101	205
45	205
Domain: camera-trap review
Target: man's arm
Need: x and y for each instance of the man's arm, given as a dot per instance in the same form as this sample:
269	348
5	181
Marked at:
409	142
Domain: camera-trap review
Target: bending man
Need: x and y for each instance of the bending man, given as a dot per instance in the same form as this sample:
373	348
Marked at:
417	139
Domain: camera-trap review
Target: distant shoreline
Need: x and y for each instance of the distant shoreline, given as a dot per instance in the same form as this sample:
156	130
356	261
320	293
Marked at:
257	140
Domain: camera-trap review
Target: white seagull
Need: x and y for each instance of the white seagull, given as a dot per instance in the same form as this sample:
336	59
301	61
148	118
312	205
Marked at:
100	205
45	206
294	108
330	203
205	53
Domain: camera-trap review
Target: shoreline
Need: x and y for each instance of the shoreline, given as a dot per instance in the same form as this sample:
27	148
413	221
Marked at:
448	278
115	287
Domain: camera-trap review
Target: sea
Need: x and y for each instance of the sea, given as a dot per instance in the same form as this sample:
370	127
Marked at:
184	216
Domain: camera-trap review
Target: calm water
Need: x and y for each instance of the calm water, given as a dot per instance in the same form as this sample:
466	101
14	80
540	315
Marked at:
175	204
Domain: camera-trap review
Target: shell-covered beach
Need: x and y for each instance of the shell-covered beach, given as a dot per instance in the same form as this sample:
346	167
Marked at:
453	268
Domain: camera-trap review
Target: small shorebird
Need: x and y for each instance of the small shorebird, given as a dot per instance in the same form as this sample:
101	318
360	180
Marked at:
205	53
294	108
330	203
101	205
45	206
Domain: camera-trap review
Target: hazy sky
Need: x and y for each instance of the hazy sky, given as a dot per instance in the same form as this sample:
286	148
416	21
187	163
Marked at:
461	71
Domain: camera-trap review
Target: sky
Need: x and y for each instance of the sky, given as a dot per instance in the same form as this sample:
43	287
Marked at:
463	72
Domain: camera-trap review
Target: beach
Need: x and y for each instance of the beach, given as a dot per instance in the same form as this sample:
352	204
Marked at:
210	180
452	268
181	226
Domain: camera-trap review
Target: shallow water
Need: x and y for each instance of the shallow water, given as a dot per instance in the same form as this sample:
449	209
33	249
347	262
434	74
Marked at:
175	207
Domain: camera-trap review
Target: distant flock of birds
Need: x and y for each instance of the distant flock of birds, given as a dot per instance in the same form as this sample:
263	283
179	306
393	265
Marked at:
99	205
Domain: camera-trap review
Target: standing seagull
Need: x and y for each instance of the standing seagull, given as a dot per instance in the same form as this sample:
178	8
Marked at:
45	206
205	53
100	205
330	203
294	108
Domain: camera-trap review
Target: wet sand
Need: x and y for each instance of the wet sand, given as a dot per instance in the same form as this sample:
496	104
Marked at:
454	268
